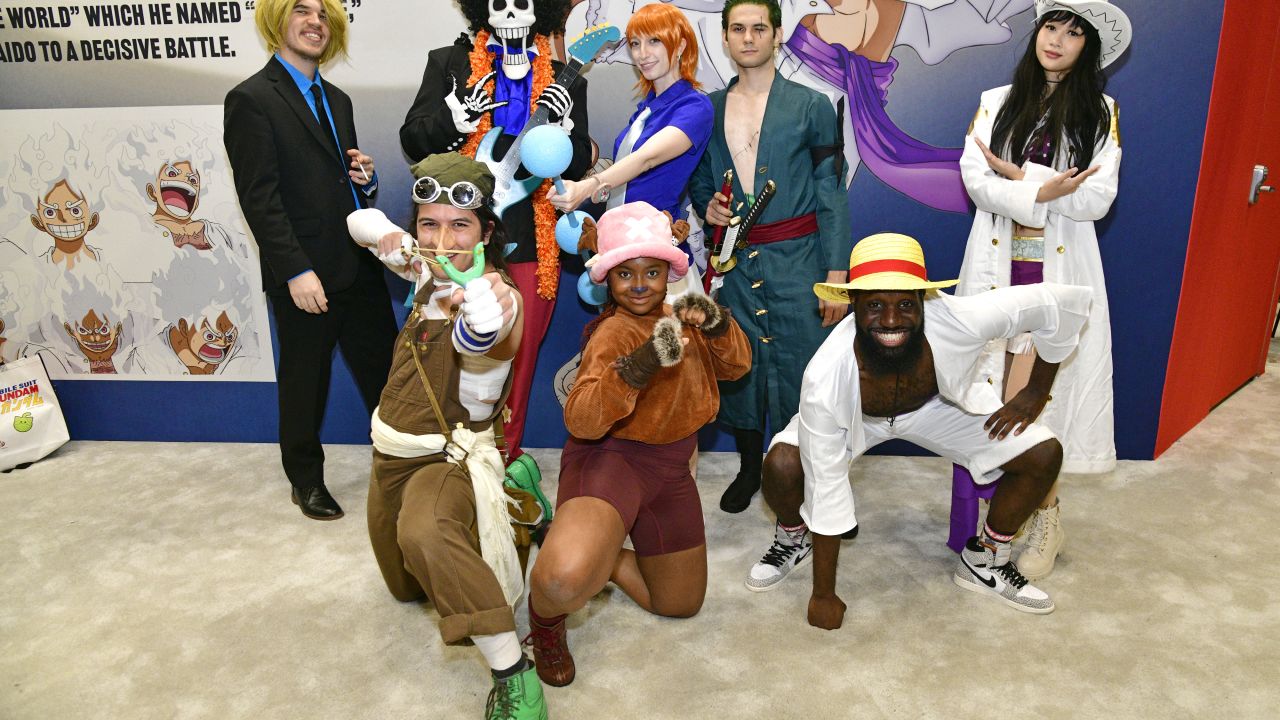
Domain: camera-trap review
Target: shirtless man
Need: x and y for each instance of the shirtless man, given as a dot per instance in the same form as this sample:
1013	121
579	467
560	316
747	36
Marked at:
918	382
769	128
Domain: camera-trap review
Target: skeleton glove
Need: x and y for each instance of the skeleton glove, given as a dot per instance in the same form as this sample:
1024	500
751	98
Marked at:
717	317
476	101
662	349
558	103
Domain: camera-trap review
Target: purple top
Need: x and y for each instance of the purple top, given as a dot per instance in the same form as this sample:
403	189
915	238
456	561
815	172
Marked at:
683	107
517	93
925	173
1039	148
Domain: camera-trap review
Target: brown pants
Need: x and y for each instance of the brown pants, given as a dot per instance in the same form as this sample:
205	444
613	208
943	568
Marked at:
422	523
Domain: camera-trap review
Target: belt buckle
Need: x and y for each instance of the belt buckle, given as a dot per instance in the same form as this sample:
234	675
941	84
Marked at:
1028	249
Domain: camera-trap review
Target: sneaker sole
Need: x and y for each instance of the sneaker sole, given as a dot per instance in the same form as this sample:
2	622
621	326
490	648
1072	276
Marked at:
967	584
766	588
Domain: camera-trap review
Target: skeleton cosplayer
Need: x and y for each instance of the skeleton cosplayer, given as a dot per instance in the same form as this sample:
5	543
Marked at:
477	96
510	24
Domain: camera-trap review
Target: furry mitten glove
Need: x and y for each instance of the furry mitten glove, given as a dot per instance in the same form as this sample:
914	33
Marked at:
662	349
717	317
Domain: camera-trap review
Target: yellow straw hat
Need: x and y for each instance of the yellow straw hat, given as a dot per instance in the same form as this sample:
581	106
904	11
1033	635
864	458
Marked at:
884	261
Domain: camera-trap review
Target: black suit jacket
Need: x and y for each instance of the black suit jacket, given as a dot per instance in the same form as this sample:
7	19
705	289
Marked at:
293	189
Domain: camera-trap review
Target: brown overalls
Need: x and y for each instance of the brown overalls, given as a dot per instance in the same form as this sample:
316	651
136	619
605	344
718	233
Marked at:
422	511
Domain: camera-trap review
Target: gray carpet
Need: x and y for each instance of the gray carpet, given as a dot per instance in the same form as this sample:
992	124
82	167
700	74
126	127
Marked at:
147	580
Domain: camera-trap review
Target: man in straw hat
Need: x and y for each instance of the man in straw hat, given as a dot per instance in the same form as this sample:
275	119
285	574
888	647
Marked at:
885	373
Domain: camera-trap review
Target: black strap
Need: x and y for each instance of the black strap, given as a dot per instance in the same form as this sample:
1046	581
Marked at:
822	152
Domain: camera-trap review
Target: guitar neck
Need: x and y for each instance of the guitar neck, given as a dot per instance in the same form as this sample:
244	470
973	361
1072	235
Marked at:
541	116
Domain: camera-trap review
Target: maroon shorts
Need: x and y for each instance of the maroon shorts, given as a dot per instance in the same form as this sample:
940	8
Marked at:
649	485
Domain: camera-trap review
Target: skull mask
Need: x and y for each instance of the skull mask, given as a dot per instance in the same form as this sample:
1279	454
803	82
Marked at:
511	21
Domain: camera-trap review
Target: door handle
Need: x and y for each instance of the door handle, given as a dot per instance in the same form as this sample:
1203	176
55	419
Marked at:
1260	173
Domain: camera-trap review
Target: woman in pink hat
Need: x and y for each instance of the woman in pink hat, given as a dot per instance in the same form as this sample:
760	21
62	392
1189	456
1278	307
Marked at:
1042	163
647	383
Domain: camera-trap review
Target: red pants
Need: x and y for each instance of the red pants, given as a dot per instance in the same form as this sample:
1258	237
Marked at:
537	319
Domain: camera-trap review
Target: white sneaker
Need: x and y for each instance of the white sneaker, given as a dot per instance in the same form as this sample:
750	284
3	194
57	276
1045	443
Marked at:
790	550
1043	541
978	573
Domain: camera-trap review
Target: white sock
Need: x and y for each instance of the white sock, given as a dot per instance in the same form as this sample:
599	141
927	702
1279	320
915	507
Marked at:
501	651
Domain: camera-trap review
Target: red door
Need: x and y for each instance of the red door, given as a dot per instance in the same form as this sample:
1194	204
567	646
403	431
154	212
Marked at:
1229	286
1262	229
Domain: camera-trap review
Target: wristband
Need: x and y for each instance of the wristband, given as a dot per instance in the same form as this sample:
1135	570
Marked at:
470	342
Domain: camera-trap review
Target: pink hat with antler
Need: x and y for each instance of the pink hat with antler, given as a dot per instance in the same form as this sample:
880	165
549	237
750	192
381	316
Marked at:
635	230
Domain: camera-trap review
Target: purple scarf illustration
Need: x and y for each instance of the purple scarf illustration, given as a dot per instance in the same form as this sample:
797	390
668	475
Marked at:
928	174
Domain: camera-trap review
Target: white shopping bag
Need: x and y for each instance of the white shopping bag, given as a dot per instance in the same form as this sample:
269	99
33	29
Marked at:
31	424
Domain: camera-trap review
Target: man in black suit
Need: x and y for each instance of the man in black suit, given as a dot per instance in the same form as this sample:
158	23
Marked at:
291	140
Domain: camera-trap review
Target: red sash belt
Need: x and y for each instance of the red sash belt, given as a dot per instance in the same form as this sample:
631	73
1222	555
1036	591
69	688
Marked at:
788	229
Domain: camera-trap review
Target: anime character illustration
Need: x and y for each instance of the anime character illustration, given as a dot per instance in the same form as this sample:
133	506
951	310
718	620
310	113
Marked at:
203	326
843	48
78	322
66	216
97	339
203	350
176	193
3	340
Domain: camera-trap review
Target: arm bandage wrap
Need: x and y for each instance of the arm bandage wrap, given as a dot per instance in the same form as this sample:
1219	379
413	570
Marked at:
368	225
479	326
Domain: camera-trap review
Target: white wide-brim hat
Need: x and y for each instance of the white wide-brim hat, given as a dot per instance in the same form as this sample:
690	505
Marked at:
1113	26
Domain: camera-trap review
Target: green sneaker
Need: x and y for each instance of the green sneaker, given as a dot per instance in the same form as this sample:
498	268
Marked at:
519	697
523	474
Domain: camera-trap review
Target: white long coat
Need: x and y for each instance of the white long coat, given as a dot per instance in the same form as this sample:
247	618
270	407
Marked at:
1081	409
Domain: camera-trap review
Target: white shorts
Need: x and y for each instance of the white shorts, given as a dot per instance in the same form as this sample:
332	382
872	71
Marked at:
947	430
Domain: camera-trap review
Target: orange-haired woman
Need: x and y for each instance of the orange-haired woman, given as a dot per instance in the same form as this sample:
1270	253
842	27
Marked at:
656	153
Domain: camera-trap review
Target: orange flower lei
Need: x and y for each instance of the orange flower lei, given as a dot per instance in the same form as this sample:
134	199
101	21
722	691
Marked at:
544	215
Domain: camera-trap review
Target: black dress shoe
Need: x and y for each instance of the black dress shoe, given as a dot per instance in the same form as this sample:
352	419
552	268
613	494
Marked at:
316	503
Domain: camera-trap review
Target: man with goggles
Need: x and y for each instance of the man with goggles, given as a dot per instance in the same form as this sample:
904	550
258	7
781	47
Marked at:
462	194
436	490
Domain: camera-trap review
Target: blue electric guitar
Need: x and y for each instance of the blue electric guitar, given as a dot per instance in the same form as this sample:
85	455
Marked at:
507	189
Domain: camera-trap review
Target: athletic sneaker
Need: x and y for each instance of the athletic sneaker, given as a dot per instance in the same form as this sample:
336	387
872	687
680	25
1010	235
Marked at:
790	549
518	697
1042	543
977	572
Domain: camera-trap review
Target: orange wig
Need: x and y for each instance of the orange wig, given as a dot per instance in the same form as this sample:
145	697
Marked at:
669	25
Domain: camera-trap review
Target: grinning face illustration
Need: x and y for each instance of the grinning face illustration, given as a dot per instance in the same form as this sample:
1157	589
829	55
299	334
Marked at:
64	214
95	336
178	191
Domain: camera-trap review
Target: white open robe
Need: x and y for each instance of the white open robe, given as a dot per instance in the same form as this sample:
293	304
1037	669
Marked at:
1081	411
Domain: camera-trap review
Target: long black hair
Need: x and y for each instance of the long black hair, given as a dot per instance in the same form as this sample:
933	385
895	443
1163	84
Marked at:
1076	110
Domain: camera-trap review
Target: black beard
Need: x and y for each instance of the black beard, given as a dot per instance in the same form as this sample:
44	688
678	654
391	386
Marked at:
882	360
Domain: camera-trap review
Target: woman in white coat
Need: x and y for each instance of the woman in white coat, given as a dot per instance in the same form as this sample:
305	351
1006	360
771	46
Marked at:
1041	164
